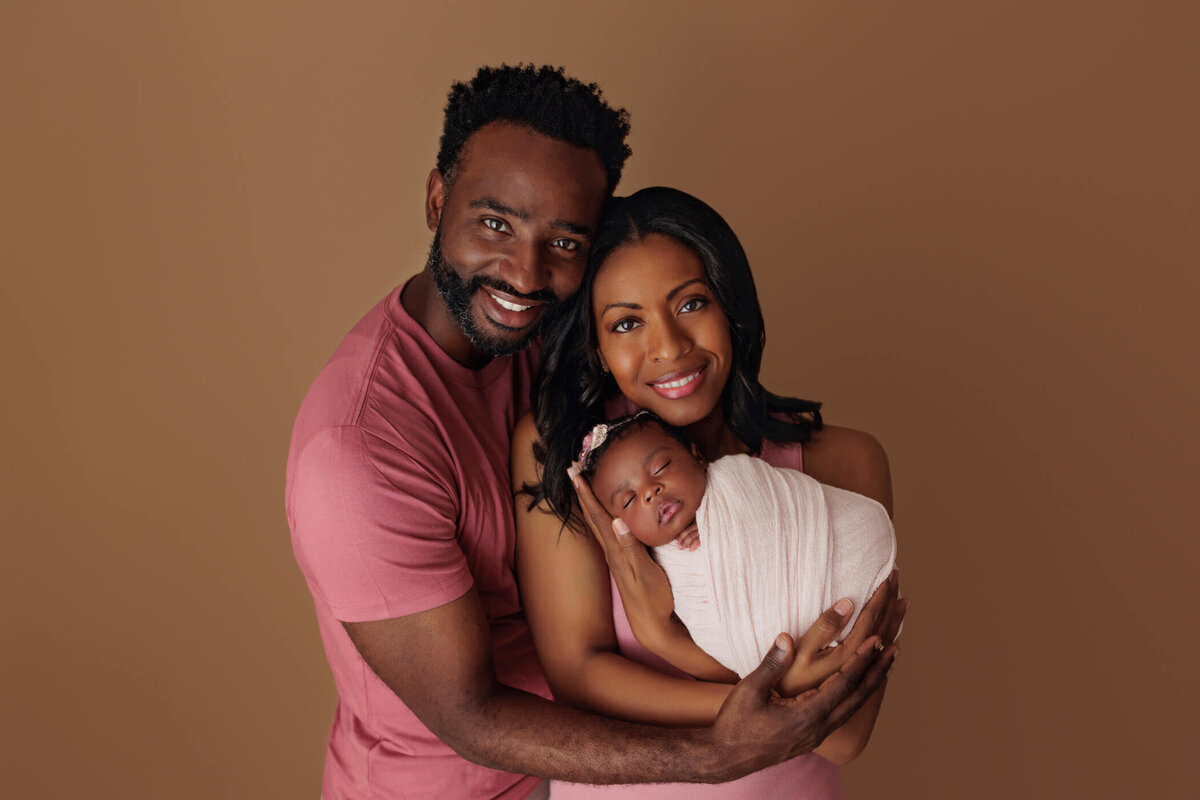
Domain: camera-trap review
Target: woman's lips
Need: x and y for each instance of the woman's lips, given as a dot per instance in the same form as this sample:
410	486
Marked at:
667	510
679	384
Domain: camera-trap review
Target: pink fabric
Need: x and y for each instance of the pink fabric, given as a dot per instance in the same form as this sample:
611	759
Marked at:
808	777
399	501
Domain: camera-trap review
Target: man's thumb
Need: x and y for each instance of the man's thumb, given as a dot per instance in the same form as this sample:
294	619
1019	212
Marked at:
774	664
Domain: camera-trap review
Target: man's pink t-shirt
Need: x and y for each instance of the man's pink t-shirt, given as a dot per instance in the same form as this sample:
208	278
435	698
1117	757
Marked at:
399	501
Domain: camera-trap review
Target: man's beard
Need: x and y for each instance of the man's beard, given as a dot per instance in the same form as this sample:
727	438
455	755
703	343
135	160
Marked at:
457	295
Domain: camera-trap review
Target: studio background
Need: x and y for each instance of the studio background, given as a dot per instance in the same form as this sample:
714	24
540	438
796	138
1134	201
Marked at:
974	228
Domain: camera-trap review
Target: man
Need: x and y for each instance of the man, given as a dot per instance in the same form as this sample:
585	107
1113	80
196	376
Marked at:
400	506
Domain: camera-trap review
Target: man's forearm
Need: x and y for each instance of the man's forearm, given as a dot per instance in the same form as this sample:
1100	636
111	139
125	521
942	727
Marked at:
520	732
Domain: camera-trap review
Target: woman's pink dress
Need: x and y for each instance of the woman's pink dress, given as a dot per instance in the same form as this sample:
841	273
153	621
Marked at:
808	777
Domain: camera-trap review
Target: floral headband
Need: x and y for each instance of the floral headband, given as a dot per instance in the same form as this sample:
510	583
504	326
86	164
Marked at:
599	433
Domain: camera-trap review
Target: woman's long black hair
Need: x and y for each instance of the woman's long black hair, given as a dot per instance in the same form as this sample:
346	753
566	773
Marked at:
571	389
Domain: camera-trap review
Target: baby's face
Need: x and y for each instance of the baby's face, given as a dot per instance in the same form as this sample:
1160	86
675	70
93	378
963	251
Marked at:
652	482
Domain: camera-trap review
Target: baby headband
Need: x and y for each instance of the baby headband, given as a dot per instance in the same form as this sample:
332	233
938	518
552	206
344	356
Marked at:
600	432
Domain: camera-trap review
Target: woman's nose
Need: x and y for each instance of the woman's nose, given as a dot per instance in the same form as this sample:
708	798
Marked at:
669	342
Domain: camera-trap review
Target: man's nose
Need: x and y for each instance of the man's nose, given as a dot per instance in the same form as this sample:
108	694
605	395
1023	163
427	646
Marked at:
525	268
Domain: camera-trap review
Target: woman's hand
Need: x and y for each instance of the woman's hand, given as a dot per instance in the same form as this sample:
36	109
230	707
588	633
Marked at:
816	660
645	591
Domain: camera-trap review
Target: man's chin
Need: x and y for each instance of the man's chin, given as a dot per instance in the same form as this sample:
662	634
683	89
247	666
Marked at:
498	340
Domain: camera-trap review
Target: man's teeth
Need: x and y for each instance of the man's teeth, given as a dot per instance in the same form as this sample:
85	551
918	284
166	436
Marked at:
510	306
681	382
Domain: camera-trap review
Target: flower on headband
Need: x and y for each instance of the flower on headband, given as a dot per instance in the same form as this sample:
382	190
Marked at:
594	439
601	431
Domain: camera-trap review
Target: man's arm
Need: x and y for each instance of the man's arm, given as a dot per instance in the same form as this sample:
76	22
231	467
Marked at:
439	663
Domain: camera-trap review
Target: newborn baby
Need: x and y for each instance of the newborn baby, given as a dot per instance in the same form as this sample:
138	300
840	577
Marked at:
750	549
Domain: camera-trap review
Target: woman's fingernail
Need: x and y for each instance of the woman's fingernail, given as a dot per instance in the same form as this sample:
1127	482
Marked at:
783	642
620	527
844	606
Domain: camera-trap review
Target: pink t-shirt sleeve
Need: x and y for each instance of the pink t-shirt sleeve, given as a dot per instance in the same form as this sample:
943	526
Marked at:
375	527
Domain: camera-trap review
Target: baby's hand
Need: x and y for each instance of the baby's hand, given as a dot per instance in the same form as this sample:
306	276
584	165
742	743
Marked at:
689	539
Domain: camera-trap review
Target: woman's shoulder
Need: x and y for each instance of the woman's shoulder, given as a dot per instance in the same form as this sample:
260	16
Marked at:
524	464
850	459
525	431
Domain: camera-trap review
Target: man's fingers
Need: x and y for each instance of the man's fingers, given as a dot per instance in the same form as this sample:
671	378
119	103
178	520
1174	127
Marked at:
868	684
871	620
844	685
892	629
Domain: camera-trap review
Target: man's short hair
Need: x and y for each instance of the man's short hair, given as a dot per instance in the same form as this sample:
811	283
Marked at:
542	98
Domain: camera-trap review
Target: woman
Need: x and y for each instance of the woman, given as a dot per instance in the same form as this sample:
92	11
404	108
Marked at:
667	319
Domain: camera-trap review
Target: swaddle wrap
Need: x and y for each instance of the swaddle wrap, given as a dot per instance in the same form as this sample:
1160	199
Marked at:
776	549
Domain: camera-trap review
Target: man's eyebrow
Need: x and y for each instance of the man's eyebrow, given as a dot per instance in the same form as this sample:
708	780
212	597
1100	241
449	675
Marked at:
571	227
671	294
500	208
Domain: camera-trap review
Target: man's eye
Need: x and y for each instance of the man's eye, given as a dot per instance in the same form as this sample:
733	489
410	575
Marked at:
566	244
694	304
496	224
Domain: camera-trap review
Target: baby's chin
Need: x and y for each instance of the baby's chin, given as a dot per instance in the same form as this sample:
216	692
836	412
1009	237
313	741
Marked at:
662	536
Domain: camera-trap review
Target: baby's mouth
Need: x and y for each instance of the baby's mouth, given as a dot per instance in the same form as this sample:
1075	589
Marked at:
667	510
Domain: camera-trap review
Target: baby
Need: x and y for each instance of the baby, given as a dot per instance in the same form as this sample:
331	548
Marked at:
750	549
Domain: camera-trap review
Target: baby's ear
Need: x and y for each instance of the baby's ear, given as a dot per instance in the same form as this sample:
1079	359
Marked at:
697	454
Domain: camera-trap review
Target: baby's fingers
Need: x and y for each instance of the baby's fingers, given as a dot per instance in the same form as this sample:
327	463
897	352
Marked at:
689	539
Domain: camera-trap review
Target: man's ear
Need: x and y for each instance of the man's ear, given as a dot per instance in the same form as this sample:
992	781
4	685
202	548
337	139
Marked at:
435	197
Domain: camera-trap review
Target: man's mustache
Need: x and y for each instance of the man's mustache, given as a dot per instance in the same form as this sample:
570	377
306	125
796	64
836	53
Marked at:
541	296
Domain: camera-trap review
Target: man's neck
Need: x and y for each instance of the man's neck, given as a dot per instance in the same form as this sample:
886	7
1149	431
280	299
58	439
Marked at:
424	303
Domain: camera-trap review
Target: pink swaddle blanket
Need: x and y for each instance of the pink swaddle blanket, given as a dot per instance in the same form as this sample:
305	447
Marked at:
776	549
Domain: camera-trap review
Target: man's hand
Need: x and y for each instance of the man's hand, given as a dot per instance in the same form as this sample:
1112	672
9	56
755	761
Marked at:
816	659
756	727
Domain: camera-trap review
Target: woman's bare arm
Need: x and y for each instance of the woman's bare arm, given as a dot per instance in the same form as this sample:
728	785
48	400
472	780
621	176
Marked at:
564	580
855	461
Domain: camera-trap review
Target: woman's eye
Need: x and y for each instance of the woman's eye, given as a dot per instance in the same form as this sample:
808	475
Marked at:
624	325
569	245
694	304
496	224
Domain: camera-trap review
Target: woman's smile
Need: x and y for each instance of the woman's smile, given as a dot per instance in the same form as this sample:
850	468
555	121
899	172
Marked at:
678	385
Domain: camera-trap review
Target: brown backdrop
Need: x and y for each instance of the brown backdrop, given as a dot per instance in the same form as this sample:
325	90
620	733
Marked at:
975	234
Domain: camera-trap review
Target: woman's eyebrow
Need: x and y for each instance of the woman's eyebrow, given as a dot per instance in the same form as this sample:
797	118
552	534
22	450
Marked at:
634	306
671	294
